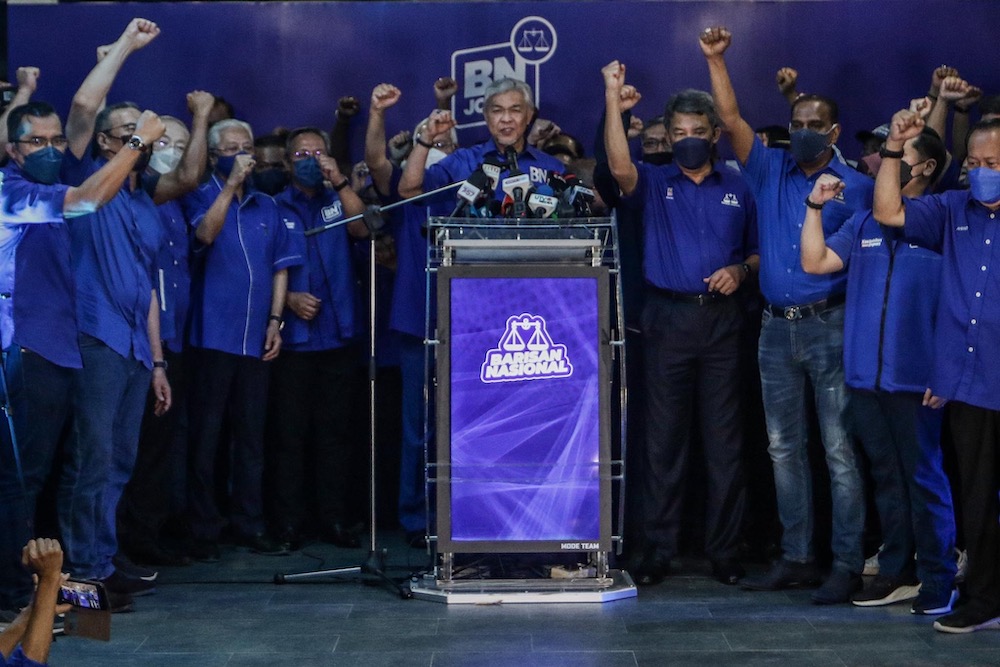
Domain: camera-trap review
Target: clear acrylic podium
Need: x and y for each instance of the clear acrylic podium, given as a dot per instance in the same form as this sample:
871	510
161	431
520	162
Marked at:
528	359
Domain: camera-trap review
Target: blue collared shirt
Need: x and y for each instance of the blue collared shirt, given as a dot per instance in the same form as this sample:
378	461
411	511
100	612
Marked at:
691	230
781	188
967	335
327	274
174	275
114	252
459	166
35	268
232	279
892	292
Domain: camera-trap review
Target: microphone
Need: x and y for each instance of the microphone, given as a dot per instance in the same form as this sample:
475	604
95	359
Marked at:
492	167
511	155
578	196
516	187
542	206
475	188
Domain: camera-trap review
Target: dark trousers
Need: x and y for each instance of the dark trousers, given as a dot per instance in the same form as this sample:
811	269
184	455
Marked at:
976	432
692	368
41	395
221	380
159	464
311	403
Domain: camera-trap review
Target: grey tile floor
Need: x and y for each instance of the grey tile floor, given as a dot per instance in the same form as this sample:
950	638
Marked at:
232	614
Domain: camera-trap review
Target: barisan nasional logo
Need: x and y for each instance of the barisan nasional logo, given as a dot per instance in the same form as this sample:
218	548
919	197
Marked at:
525	352
532	42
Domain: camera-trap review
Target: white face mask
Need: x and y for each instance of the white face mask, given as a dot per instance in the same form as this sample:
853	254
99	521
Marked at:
165	161
434	155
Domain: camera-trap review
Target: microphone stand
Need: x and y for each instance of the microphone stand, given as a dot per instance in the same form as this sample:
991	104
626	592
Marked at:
374	565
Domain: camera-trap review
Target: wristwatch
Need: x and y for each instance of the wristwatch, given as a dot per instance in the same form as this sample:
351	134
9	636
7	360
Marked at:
278	319
136	143
160	364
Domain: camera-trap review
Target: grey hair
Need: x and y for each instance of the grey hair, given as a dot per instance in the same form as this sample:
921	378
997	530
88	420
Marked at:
215	132
505	85
692	101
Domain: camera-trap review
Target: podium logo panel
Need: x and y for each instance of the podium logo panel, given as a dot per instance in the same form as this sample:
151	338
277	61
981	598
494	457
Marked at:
526	351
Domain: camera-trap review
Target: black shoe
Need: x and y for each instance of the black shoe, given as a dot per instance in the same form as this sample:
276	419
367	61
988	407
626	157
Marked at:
838	588
653	569
728	572
416	539
884	590
968	619
783	574
157	556
120	603
131	570
339	536
119	582
205	551
289	539
262	544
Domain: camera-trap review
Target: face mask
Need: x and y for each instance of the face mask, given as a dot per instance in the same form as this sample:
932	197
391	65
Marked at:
43	166
808	145
985	185
658	159
434	155
692	152
906	172
224	164
872	163
271	181
308	173
165	161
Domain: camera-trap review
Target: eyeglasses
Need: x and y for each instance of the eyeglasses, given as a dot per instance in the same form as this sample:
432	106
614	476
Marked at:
128	127
58	142
233	150
302	155
655	143
166	142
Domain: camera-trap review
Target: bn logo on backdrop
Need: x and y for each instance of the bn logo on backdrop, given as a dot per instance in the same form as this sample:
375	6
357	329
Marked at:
531	43
526	351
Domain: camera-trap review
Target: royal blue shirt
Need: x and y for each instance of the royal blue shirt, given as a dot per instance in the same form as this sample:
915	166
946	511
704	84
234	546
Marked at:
892	289
780	188
232	279
459	166
174	275
691	230
37	291
327	274
114	252
967	334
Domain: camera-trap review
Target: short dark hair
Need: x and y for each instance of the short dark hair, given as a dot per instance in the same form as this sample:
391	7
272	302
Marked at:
983	126
928	143
652	122
270	141
103	121
221	101
15	119
829	103
691	101
306	130
989	105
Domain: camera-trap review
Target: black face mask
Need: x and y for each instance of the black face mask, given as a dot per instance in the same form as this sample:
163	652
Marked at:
658	159
906	172
271	181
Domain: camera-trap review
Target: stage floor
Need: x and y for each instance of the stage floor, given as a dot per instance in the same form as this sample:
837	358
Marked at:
231	614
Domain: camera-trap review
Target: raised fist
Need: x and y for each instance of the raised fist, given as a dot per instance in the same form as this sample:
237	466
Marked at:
635	127
348	107
139	33
939	75
200	102
542	131
786	78
242	168
614	75
905	124
715	41
826	188
628	97
27	78
445	88
384	95
437	123
149	127
953	88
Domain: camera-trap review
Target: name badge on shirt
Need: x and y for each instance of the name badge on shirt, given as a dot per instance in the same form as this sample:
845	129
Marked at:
289	223
332	212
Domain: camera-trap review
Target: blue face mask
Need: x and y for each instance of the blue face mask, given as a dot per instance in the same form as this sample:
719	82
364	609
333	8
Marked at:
985	185
308	172
808	145
692	152
224	163
42	166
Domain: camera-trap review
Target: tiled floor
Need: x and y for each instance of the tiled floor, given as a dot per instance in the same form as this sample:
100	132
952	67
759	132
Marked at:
231	614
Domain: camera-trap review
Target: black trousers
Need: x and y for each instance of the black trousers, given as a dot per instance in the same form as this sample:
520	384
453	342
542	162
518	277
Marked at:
692	367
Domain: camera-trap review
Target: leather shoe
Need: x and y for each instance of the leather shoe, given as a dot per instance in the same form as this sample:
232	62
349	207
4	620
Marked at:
339	536
728	572
784	574
838	588
653	569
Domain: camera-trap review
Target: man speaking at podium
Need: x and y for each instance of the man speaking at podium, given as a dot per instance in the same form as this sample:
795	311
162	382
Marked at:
700	244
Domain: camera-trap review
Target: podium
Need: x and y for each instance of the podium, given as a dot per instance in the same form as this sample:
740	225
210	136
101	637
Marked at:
529	393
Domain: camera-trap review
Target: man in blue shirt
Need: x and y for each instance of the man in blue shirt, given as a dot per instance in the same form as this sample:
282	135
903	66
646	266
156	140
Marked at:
41	352
801	332
699	246
892	289
312	379
962	226
242	253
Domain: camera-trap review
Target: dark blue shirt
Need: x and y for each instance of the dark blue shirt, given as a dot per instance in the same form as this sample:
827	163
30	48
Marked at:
691	230
459	165
114	252
780	188
174	275
37	291
327	274
967	335
232	279
892	289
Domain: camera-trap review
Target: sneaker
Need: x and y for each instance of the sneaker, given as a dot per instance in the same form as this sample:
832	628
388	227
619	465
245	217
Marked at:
886	590
130	569
871	564
968	619
121	583
783	574
839	587
934	602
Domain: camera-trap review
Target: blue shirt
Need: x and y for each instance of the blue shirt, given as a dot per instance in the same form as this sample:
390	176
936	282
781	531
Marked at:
327	274
780	188
114	252
459	166
691	230
174	275
967	335
892	289
35	267
232	278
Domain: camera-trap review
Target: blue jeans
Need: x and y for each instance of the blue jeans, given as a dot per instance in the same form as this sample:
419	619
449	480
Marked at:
790	354
108	401
903	442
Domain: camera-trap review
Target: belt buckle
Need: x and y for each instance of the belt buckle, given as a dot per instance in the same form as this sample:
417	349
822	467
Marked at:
702	299
792	313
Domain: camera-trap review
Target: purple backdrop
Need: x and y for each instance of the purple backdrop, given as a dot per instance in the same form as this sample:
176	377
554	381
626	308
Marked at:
287	63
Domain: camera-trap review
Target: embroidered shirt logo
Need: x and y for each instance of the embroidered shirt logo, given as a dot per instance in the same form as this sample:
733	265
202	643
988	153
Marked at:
670	193
730	200
332	212
871	243
525	352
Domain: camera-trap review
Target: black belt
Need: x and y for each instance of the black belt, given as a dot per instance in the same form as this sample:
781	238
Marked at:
805	310
700	299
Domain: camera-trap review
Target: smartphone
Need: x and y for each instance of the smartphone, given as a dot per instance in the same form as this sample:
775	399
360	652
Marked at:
83	594
7	95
